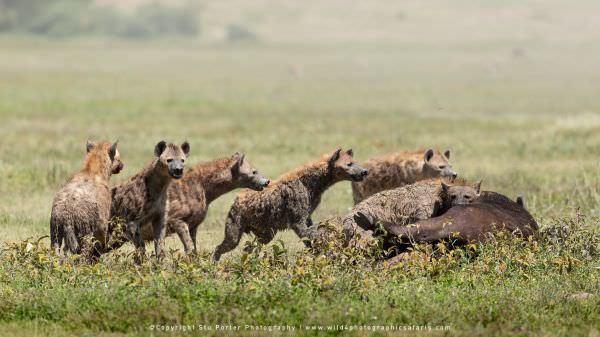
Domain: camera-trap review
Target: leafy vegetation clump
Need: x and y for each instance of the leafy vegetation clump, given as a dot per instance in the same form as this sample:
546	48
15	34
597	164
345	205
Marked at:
326	284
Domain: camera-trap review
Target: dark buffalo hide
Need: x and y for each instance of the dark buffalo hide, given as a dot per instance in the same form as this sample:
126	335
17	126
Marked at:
462	224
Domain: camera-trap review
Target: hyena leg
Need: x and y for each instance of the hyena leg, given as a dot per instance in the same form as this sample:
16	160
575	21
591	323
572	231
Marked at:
132	231
100	240
357	223
193	232
301	228
160	230
364	226
233	234
56	236
266	237
72	243
263	238
182	229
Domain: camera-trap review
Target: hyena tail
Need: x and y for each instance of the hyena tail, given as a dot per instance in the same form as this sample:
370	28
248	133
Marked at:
71	242
56	234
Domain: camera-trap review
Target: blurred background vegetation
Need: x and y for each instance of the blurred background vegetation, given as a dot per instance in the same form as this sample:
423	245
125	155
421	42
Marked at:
68	18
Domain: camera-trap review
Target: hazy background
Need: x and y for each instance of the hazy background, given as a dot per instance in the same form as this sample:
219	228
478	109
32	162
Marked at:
519	24
510	87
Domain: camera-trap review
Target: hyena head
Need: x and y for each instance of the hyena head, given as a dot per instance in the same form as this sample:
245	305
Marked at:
461	194
109	153
171	158
244	174
438	165
343	167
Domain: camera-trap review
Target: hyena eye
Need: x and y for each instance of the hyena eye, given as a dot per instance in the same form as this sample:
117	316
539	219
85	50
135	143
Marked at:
467	197
350	164
454	197
255	172
169	160
442	167
182	160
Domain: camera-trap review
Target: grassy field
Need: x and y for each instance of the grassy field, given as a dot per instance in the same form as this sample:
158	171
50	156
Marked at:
518	106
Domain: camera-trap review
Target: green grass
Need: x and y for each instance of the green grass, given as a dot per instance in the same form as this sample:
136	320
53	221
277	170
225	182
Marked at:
525	124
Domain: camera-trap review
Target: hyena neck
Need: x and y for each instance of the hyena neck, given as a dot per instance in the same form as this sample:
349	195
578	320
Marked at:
440	207
442	202
413	171
427	172
215	177
95	165
157	179
317	180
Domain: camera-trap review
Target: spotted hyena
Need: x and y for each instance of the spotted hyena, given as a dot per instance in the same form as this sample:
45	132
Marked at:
143	198
407	204
81	208
190	196
399	169
288	202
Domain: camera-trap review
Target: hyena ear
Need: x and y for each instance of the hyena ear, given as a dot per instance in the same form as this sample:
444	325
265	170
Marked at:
89	145
350	152
447	154
335	156
477	186
160	148
186	148
112	150
238	159
428	155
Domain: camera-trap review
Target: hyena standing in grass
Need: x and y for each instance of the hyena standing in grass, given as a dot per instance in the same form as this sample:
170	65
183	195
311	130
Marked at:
81	208
190	196
143	199
407	204
399	169
288	202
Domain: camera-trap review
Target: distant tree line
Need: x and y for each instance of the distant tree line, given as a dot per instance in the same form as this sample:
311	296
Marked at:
66	18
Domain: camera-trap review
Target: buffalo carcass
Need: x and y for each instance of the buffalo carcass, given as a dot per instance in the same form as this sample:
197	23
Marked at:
461	224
